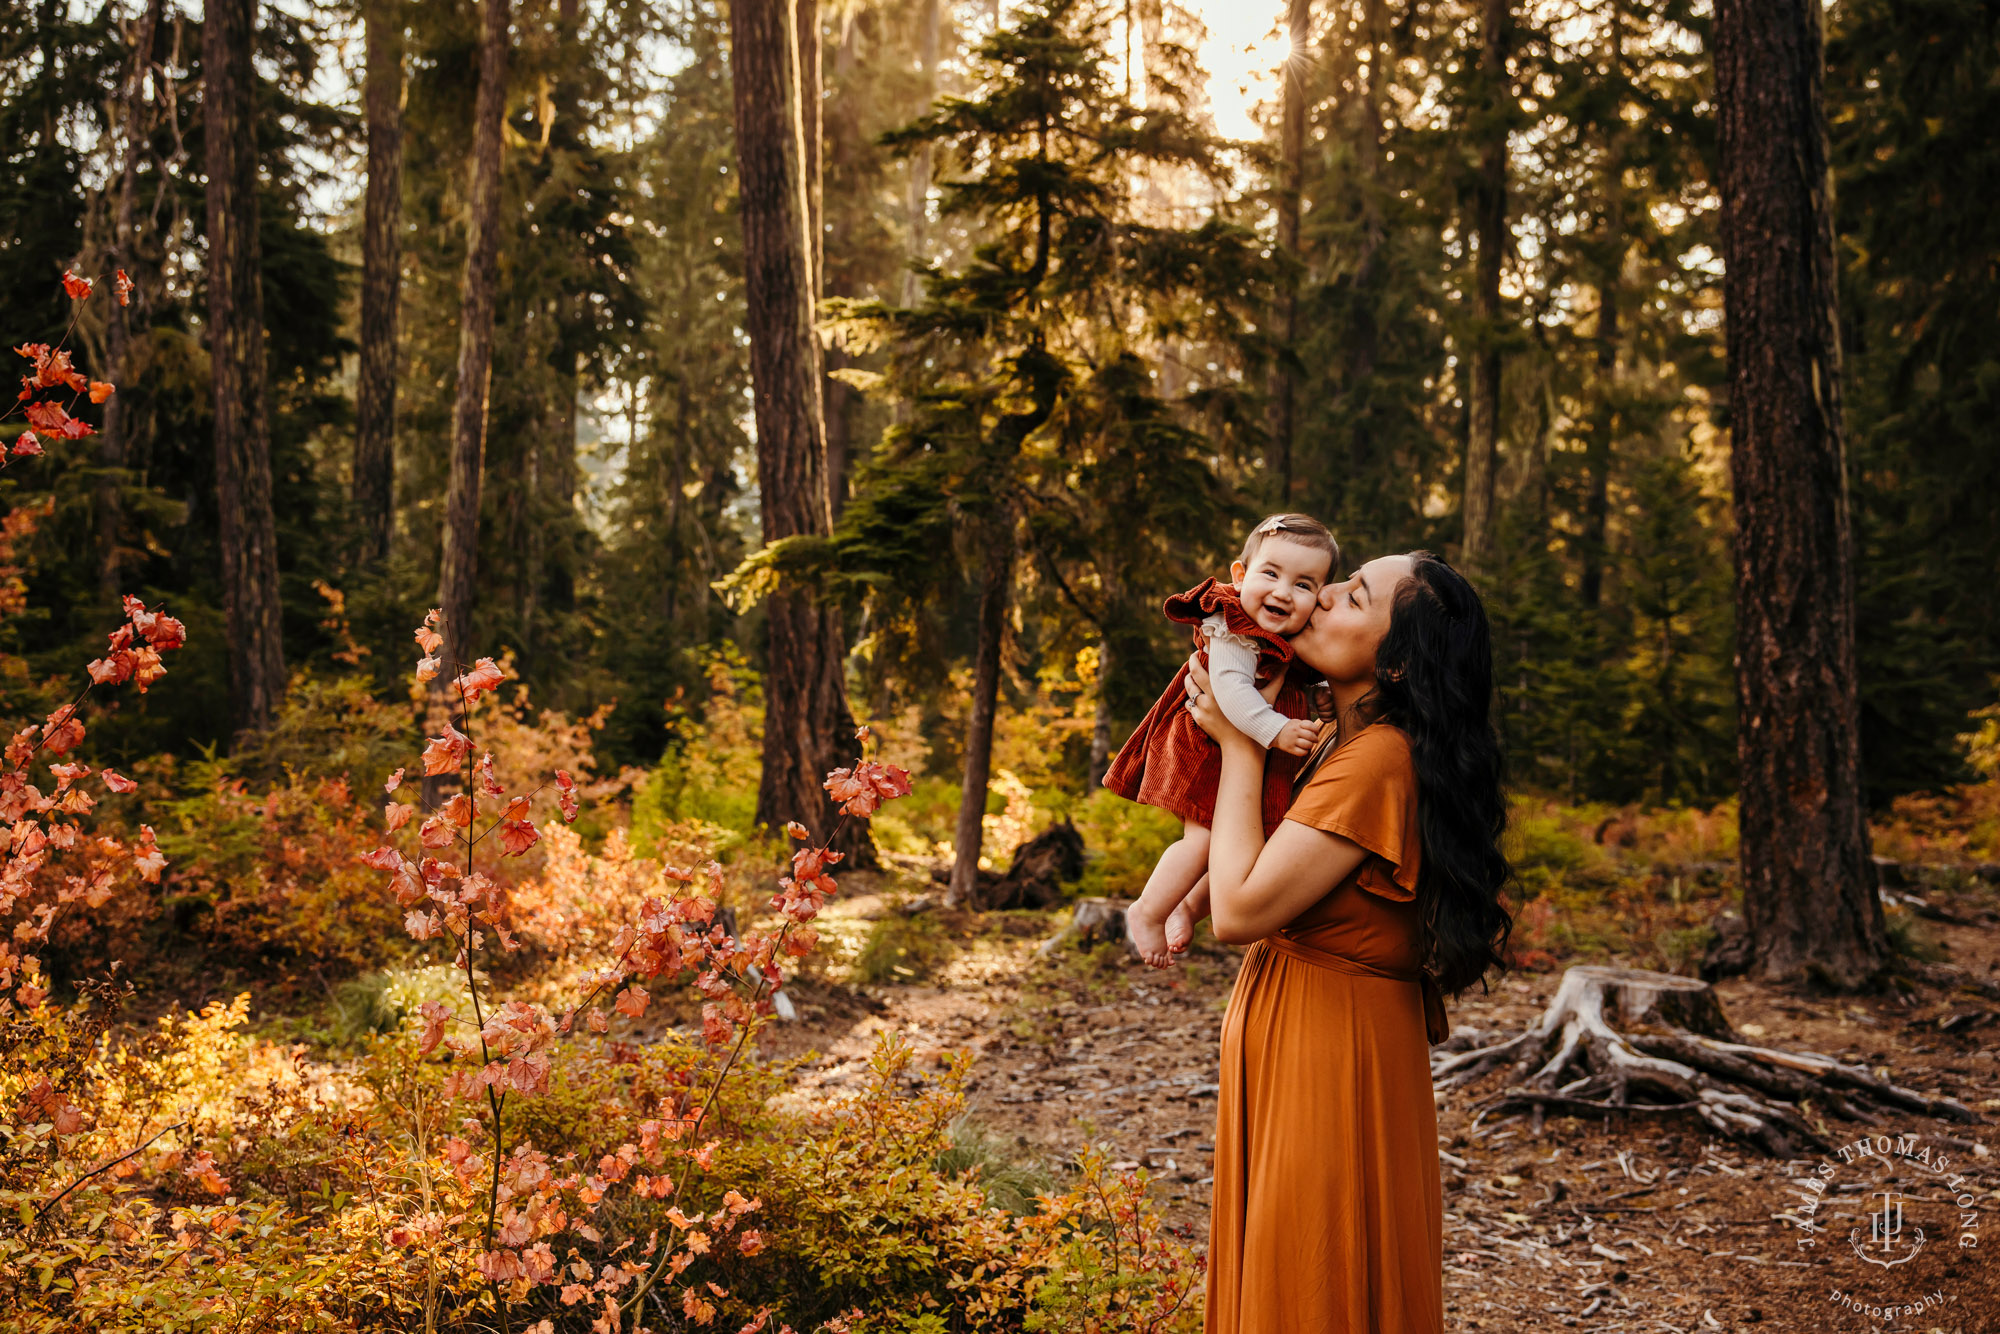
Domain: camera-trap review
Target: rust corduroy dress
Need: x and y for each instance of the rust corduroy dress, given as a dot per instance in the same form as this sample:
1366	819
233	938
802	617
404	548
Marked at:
1328	1213
1168	761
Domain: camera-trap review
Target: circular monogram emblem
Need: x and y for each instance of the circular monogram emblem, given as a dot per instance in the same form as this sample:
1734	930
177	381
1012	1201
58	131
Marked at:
1866	1211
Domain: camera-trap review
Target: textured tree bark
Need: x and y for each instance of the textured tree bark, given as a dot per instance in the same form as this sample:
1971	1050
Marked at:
112	445
1482	446
1363	336
460	563
1100	721
810	137
381	278
1594	549
1292	147
1809	889
807	727
996	582
246	528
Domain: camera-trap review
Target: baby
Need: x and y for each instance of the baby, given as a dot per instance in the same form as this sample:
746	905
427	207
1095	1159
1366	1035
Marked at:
1243	636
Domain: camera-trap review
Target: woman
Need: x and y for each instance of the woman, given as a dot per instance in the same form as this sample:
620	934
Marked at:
1379	891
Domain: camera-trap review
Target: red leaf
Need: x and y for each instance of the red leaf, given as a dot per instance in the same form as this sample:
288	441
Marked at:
445	753
397	814
63	731
149	859
99	391
566	794
484	676
632	1001
458	810
517	836
434	1015
26	445
78	288
395	781
118	782
123	286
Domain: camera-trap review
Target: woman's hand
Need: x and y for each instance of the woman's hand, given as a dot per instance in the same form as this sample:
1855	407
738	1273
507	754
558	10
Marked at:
1201	703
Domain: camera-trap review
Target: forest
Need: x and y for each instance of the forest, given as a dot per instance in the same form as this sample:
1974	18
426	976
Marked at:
628	533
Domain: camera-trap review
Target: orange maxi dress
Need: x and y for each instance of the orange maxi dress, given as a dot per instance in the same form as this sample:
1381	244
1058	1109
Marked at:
1328	1212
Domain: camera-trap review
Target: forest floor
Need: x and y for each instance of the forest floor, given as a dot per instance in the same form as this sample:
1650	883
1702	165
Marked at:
1649	1225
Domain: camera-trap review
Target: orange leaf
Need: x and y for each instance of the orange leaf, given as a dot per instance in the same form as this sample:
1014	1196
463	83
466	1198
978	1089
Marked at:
99	391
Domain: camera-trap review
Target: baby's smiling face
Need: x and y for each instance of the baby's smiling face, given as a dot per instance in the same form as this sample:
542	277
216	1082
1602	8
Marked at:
1280	586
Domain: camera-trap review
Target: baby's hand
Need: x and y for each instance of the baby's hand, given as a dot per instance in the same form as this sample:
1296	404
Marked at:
1297	737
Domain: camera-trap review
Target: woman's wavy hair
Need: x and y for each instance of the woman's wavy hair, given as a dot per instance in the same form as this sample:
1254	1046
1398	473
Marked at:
1434	681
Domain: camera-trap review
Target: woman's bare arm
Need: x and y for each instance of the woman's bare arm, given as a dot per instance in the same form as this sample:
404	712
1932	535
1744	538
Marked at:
1256	888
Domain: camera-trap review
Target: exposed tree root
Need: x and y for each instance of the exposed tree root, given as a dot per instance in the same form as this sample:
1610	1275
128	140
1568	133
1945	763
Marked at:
1627	1040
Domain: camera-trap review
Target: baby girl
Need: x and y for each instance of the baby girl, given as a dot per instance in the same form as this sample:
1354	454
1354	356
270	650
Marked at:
1243	635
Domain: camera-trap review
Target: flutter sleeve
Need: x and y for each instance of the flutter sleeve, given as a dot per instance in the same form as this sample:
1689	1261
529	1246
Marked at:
1232	675
1366	792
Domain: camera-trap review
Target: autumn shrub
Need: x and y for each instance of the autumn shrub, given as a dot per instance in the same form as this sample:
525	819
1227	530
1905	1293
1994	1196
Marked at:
1960	824
267	878
481	1158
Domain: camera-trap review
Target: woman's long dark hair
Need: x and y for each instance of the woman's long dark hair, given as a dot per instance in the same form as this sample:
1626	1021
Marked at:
1434	680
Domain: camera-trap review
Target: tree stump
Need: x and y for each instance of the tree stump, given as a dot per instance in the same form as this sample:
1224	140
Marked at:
1627	1040
1041	867
1094	920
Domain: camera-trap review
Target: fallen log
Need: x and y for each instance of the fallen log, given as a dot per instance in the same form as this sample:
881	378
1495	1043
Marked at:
1628	1040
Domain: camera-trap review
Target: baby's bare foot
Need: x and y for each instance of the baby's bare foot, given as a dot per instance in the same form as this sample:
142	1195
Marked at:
1180	929
1148	934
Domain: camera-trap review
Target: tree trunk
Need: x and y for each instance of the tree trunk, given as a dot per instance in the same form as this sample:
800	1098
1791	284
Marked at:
459	569
828	140
246	529
811	118
1482	446
1100	722
807	727
1594	549
1809	891
381	276
996	582
1298	20
920	160
112	445
1363	336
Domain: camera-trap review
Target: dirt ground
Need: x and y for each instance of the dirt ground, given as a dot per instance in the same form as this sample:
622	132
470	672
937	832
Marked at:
1649	1225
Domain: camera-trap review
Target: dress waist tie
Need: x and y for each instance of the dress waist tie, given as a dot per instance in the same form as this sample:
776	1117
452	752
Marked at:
1436	1026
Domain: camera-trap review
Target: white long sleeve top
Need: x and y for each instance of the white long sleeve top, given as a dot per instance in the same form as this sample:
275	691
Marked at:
1232	674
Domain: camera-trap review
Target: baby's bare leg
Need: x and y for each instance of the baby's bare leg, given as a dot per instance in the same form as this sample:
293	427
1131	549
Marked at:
1179	867
1181	922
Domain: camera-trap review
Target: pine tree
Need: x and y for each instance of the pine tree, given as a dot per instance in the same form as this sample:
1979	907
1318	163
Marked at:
248	532
1028	411
1808	884
381	278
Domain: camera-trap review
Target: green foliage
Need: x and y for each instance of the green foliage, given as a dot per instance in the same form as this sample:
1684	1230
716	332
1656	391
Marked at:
386	1000
1121	842
901	949
1909	89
